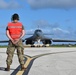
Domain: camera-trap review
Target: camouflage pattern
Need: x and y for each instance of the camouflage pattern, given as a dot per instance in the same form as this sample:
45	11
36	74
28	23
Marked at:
10	52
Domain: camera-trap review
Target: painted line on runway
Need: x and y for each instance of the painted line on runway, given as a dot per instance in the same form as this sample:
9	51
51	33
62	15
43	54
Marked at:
25	65
18	69
30	60
40	55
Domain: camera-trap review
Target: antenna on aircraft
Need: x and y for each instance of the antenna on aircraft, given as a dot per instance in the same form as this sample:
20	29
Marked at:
38	26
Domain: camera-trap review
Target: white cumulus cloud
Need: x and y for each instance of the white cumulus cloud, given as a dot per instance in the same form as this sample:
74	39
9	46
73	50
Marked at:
65	4
9	5
61	31
45	24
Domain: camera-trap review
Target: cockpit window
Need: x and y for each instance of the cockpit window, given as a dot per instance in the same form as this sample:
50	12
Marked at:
38	31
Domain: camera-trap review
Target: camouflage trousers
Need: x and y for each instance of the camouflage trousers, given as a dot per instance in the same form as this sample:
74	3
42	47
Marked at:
10	52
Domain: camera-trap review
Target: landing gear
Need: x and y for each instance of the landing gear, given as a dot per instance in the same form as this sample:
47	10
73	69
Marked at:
38	45
32	45
44	46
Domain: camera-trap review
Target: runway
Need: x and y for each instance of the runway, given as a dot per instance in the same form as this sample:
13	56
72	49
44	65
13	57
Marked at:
42	61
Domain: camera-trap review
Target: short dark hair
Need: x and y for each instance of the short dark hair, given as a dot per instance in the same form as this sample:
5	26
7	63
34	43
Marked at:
15	17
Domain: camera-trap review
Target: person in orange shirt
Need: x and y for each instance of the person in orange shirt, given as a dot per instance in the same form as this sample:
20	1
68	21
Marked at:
15	31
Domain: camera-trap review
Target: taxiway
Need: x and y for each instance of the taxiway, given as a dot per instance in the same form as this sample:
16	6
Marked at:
42	61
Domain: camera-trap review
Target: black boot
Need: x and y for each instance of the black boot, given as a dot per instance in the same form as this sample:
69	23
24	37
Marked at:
22	67
8	68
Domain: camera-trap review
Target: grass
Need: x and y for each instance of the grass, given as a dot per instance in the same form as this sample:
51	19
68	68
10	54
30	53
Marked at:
5	46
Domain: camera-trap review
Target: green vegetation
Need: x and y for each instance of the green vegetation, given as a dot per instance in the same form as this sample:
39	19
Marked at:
3	46
63	45
54	45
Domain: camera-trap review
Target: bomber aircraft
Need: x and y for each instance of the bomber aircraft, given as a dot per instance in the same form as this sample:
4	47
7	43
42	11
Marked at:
39	36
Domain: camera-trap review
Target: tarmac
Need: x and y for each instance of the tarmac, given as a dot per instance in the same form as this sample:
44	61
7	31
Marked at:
42	61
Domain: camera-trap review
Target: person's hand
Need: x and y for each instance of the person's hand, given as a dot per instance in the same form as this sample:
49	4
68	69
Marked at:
15	41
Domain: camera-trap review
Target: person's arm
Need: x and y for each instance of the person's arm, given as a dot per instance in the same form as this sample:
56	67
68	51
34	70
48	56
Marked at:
8	35
23	33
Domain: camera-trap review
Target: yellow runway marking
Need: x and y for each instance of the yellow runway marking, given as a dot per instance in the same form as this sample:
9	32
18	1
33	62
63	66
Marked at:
29	59
25	65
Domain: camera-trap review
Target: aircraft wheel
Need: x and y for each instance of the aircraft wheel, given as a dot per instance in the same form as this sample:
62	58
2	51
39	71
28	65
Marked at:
44	46
32	46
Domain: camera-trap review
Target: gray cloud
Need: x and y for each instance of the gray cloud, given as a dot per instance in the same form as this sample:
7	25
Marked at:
9	5
60	31
45	24
54	28
50	28
63	4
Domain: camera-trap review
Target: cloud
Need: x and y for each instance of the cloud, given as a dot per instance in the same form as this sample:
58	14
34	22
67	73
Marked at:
9	5
63	33
45	24
50	28
60	31
53	28
62	4
31	31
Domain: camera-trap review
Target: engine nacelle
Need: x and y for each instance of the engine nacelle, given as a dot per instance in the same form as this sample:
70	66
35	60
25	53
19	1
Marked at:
47	42
29	42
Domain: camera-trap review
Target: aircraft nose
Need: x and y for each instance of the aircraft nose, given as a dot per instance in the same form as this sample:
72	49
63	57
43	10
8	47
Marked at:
38	34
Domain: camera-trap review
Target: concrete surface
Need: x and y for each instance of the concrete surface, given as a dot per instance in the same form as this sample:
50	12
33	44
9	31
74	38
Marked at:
42	61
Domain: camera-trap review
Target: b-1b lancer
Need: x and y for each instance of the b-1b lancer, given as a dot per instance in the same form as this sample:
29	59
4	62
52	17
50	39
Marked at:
39	36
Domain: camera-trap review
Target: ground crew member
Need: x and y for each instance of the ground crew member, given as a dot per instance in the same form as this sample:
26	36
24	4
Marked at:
15	31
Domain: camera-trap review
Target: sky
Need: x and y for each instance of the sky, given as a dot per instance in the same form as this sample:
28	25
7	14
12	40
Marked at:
57	17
